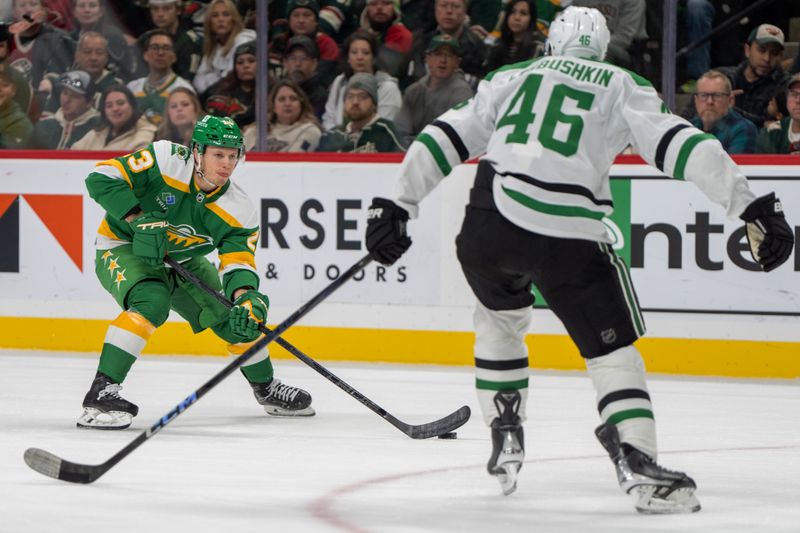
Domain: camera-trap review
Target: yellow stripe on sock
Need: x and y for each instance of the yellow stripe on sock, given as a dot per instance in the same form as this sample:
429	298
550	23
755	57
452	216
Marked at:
134	323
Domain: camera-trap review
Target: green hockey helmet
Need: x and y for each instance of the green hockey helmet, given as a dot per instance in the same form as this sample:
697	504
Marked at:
217	131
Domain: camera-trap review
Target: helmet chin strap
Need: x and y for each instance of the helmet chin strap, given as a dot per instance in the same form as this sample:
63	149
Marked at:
198	167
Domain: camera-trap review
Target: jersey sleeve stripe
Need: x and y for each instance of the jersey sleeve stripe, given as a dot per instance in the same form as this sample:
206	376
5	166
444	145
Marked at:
686	150
117	165
552	209
175	184
224	215
436	151
236	258
458	144
565	188
663	144
105	230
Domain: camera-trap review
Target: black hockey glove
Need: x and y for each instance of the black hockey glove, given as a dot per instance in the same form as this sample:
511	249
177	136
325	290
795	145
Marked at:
386	236
770	237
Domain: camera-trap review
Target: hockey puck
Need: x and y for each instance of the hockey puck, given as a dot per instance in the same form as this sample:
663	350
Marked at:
451	435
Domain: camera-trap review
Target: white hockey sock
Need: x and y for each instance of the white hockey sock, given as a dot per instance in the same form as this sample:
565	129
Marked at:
501	357
622	397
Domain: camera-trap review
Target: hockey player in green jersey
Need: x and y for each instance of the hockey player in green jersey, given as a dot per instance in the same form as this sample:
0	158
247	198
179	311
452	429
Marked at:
170	199
550	129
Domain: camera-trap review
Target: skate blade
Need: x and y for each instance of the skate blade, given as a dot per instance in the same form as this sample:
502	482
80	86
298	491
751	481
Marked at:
677	502
92	418
507	474
280	411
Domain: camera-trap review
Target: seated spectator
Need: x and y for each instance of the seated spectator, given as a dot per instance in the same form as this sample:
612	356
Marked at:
363	130
300	66
151	91
223	31
360	49
94	15
121	126
38	48
24	93
784	136
439	90
166	15
91	56
451	19
15	126
73	119
303	20
626	22
395	41
519	40
716	115
759	76
182	112
292	124
234	95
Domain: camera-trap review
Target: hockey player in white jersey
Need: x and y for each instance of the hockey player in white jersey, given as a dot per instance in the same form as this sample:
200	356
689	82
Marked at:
550	129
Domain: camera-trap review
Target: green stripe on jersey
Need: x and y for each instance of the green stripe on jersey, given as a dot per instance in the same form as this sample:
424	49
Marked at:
436	152
552	209
686	149
484	384
616	418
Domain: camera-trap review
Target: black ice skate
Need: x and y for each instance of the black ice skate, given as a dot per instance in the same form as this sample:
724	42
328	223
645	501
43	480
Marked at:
104	408
508	441
282	400
654	489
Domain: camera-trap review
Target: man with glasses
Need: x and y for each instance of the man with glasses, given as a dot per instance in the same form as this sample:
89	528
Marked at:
300	64
716	115
784	137
152	91
75	116
166	15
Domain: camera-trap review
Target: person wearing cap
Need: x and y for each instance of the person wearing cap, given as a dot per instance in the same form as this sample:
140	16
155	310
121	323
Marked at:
784	137
303	19
759	76
166	15
451	19
223	31
716	115
363	130
382	18
300	65
15	126
361	49
152	91
234	95
75	116
443	87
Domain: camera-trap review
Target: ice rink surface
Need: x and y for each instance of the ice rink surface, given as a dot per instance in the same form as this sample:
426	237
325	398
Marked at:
225	466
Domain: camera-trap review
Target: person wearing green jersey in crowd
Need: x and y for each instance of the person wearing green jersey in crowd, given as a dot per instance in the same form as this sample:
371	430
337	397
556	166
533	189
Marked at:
171	199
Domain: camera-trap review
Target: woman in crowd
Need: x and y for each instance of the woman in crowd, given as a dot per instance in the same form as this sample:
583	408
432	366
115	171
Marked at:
360	50
223	31
292	124
93	15
234	95
183	110
121	126
519	39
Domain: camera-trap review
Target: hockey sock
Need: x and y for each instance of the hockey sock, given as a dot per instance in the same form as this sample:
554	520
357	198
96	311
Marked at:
125	338
622	397
258	368
501	356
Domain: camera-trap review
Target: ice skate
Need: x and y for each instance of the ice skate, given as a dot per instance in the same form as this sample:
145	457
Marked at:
104	408
654	489
508	441
282	400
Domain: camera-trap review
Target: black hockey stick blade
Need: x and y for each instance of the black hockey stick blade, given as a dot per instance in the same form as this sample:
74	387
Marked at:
53	466
423	431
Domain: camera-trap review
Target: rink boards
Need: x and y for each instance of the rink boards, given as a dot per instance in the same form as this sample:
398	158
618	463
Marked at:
709	311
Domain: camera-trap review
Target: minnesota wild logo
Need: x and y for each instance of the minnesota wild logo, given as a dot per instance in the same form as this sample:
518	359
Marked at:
184	237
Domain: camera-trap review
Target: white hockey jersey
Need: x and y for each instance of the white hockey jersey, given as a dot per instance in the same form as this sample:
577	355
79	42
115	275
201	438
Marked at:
551	128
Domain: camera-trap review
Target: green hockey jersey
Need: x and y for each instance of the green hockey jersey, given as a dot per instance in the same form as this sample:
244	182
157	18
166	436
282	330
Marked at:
159	178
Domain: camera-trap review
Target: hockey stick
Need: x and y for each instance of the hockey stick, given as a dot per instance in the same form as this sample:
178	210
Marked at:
444	425
53	466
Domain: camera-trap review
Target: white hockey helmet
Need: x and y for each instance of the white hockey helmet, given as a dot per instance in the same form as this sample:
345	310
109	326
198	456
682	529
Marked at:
579	32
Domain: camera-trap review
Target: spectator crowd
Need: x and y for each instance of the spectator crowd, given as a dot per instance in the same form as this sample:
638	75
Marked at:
343	75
